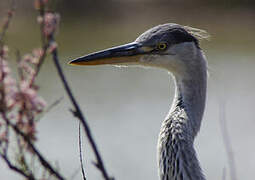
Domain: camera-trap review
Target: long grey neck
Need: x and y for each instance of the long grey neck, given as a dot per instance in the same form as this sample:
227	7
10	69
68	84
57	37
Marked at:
177	157
190	94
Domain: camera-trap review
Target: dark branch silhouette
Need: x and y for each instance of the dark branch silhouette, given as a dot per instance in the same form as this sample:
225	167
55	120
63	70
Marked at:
78	113
29	104
80	152
16	169
8	20
24	101
42	160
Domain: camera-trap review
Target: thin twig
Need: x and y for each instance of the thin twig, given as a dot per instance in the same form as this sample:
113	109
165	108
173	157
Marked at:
14	168
42	12
18	60
40	61
78	113
80	152
227	141
15	128
2	35
45	44
54	104
5	149
38	154
8	20
44	162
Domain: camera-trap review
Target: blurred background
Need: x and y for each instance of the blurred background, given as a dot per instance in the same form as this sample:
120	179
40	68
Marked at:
125	106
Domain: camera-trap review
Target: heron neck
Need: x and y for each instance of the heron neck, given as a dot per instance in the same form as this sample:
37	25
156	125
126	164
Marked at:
190	95
177	156
190	90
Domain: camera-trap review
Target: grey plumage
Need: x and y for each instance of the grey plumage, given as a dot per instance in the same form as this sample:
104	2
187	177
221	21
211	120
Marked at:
176	49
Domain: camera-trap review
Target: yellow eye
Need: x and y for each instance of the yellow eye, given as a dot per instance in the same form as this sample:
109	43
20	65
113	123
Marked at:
162	46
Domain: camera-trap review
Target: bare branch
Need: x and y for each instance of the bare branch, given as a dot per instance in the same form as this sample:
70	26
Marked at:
227	141
48	24
34	149
80	152
16	169
45	44
8	20
22	110
41	60
78	113
38	154
54	104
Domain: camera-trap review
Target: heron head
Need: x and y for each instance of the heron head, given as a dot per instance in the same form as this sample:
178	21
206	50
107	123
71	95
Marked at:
167	46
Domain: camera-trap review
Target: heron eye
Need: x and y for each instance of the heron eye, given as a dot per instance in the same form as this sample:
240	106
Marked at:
162	46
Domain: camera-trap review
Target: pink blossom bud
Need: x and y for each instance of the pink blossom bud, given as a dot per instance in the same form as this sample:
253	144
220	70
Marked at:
30	93
53	47
37	54
3	137
51	21
41	103
9	102
27	58
4	68
24	85
12	116
9	81
27	68
40	19
4	51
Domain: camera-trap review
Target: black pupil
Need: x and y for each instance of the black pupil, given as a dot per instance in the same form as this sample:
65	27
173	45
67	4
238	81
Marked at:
162	46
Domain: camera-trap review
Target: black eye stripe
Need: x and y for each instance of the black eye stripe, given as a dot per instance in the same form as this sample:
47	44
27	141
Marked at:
180	35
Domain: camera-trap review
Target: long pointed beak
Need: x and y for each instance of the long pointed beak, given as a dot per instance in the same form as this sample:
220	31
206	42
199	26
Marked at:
125	54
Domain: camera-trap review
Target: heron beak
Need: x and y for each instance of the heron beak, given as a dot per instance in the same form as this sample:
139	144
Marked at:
125	54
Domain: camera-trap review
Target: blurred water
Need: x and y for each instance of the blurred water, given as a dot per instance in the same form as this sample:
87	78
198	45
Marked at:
125	108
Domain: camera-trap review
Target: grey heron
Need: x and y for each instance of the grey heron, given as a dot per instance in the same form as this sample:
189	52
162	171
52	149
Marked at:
176	49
